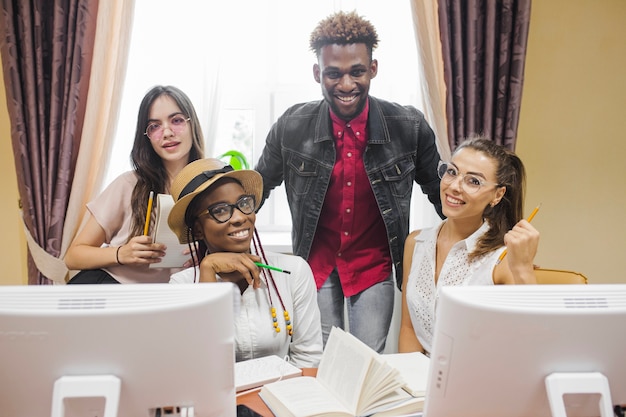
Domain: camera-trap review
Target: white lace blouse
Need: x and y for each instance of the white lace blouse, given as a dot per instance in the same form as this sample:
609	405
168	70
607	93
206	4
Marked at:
421	292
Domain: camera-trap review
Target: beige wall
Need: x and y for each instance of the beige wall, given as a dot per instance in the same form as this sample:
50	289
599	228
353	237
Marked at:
12	241
571	137
572	134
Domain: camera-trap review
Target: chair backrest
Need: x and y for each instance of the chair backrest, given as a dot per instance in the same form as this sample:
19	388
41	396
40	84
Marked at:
559	276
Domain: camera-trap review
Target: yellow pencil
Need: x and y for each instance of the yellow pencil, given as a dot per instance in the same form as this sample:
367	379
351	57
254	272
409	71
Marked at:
503	254
148	214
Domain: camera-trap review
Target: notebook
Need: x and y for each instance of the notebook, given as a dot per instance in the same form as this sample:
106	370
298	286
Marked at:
254	373
174	255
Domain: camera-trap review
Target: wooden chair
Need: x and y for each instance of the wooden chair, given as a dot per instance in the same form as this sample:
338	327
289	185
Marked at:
559	276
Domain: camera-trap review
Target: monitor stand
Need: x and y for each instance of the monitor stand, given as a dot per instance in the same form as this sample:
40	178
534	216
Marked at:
559	384
97	395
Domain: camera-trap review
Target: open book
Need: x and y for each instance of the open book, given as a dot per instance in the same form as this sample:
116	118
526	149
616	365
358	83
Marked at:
414	369
174	255
352	380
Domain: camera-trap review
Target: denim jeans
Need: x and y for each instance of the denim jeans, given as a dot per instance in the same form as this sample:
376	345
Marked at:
369	312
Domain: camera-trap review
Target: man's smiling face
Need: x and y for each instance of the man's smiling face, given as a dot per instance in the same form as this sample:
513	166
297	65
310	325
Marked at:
345	72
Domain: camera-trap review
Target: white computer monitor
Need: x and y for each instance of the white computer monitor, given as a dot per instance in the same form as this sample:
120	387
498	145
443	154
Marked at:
495	346
77	350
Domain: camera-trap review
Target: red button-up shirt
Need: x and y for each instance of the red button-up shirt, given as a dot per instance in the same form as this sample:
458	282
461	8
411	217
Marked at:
350	233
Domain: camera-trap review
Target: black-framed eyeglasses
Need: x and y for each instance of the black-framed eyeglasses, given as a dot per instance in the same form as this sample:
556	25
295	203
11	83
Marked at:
177	124
469	182
222	212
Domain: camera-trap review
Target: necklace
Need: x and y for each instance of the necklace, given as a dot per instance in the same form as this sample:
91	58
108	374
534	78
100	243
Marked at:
268	277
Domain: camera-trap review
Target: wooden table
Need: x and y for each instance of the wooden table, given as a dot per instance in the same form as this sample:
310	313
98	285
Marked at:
252	399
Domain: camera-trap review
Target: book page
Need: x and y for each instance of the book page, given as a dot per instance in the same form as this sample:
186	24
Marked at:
256	372
395	401
301	396
413	367
174	255
357	374
412	407
344	367
382	386
351	374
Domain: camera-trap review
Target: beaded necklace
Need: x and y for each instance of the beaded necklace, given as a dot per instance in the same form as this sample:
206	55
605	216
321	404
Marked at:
268	277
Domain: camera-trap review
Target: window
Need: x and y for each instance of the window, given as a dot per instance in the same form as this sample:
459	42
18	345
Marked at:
243	63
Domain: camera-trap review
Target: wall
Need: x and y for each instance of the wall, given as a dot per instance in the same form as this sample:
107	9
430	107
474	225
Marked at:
13	243
572	136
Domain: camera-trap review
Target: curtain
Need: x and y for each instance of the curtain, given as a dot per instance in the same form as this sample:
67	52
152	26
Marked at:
484	48
111	48
62	113
46	48
431	70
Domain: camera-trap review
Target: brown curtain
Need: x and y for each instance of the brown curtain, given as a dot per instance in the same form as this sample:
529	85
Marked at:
484	49
46	48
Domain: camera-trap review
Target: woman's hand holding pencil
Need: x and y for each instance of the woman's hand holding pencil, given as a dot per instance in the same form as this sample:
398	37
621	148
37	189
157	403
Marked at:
521	242
140	250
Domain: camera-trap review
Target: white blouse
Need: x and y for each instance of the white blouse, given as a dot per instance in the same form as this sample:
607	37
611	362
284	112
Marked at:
254	331
421	291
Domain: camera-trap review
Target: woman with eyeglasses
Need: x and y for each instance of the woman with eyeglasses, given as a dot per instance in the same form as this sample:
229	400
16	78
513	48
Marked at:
482	195
111	247
278	315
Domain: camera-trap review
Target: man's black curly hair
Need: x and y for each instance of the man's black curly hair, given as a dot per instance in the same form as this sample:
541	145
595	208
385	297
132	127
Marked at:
343	28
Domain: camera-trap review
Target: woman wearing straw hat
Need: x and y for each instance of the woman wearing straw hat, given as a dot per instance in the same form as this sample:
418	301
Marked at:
215	209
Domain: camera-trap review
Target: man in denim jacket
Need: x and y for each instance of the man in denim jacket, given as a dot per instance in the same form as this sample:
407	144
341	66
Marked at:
349	162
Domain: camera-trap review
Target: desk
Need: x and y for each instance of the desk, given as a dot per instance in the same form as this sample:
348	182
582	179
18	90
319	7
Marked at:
252	399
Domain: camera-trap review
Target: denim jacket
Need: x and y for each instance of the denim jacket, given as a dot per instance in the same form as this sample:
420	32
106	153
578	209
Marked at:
300	150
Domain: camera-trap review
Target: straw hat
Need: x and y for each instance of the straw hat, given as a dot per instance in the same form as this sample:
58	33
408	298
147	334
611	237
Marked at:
196	177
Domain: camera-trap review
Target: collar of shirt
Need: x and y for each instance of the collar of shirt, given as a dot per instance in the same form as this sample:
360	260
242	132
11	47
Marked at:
358	124
469	242
472	239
